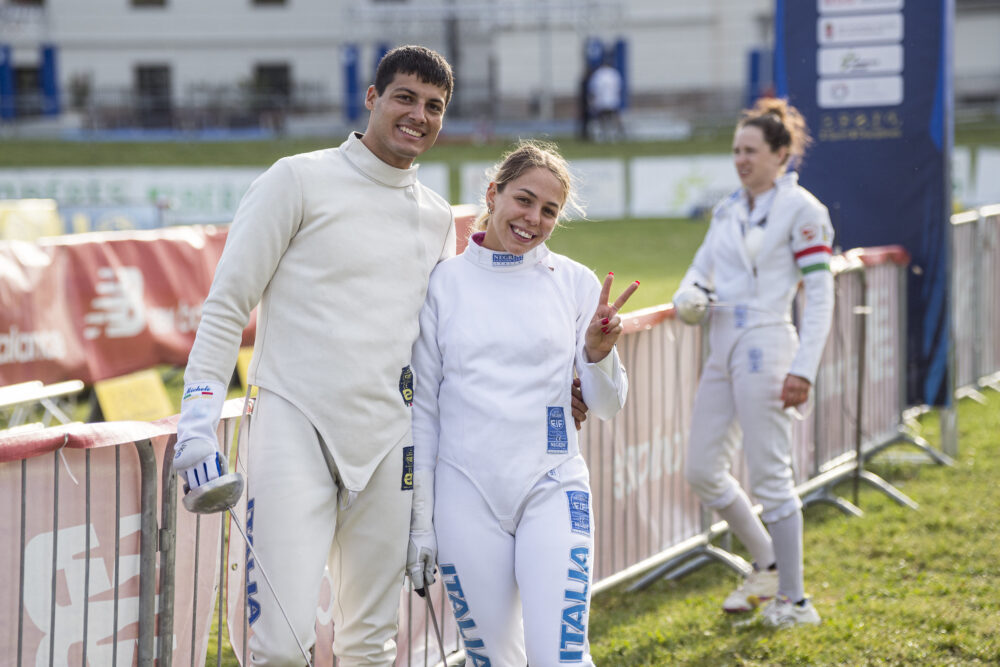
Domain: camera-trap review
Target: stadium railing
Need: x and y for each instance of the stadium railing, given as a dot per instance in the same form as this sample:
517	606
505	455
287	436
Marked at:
108	570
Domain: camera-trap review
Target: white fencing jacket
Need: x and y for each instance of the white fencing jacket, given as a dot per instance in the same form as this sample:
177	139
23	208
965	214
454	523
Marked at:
500	337
795	246
337	246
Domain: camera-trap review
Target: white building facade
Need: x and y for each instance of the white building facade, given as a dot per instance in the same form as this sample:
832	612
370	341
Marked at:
178	63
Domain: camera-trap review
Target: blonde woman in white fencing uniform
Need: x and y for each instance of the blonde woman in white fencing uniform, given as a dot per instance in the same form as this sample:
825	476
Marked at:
763	242
501	491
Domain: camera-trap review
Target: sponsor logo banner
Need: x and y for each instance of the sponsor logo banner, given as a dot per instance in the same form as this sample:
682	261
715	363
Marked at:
873	80
96	307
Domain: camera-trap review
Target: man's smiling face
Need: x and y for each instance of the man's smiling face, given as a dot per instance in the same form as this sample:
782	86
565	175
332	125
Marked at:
405	119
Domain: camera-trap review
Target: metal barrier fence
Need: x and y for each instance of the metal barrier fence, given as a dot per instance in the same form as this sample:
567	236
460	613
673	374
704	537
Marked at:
653	523
109	572
85	547
976	299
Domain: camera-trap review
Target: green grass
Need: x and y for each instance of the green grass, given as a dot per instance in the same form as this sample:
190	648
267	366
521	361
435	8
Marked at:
894	587
55	153
50	153
654	252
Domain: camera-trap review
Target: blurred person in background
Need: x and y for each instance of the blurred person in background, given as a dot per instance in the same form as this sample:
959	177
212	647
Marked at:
502	492
336	246
764	240
605	91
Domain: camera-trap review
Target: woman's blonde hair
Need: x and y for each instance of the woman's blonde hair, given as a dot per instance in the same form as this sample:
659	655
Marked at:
527	155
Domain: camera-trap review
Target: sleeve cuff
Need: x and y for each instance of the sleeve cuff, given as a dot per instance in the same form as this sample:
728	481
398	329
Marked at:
607	364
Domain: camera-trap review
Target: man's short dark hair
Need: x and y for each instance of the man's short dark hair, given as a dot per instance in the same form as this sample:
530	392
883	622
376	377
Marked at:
429	66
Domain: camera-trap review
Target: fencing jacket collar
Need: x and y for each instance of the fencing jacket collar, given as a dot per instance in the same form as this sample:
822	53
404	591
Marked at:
371	166
503	261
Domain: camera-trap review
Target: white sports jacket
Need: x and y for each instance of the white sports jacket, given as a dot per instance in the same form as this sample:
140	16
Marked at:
500	337
796	246
337	246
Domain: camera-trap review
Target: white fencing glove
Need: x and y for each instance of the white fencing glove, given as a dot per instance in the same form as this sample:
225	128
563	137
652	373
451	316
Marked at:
691	303
421	553
196	455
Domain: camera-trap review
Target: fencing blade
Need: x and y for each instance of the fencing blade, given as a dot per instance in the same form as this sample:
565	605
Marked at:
260	566
248	403
437	629
728	305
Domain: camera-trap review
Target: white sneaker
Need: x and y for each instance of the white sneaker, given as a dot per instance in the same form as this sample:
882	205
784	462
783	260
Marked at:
783	613
756	589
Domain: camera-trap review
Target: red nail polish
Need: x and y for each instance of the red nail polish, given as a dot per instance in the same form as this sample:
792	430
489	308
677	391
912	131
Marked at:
604	321
611	273
637	282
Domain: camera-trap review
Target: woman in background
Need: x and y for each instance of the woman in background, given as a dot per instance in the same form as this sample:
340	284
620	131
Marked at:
764	240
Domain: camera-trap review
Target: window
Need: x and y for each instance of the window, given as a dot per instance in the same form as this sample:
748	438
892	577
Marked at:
272	84
26	3
27	91
153	103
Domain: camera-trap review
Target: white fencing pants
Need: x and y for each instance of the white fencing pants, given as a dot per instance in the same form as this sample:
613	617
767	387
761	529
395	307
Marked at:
297	528
742	381
540	572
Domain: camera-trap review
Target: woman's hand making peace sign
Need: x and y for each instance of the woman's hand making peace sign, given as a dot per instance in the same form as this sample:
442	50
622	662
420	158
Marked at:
605	325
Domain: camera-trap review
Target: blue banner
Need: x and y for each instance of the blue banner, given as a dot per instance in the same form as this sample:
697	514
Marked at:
50	80
873	80
759	73
7	109
353	93
621	64
381	49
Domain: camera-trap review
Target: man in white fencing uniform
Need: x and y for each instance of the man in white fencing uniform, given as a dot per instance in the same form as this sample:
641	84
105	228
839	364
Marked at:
336	246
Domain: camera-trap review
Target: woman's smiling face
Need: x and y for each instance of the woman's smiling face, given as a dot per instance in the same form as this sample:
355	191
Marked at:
525	211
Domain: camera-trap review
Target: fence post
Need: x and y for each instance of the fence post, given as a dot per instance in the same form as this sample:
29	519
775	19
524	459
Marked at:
978	298
168	557
861	316
949	429
948	414
902	353
147	552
